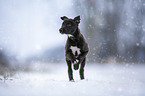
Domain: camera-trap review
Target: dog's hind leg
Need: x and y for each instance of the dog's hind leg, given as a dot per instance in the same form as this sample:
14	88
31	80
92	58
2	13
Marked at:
70	71
82	69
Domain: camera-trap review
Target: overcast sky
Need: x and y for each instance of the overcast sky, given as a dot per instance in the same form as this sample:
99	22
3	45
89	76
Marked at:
30	26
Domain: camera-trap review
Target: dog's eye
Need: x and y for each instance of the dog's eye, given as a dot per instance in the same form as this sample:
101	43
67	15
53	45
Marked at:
69	25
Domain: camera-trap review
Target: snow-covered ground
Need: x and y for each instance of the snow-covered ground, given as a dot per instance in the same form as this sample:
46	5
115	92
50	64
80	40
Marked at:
101	80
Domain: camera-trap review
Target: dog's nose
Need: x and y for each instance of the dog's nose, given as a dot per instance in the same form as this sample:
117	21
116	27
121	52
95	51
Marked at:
61	30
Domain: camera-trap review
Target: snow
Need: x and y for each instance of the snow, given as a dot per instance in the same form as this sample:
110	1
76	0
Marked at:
101	80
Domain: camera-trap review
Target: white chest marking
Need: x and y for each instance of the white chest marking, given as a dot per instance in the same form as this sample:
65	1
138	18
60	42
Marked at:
75	49
69	35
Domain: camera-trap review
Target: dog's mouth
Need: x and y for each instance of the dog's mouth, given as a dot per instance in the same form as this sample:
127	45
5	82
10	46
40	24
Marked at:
62	31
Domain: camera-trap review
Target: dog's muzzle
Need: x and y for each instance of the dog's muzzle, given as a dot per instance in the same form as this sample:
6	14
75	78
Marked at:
61	30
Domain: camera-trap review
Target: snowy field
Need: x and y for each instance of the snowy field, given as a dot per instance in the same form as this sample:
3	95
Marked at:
101	80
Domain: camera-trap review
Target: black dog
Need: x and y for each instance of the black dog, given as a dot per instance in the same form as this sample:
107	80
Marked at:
76	47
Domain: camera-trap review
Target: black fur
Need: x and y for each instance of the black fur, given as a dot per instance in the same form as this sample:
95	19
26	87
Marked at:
75	39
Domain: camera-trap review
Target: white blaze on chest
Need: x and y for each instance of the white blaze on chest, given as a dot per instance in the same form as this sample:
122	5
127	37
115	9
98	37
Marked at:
69	35
75	49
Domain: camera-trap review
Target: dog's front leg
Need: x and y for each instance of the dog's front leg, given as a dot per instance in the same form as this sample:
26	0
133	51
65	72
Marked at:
82	69
69	56
82	56
70	71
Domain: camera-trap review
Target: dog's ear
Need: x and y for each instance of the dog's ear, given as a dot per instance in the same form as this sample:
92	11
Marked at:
63	18
77	19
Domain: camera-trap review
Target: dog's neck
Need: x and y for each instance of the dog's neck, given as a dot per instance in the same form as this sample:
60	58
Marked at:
75	35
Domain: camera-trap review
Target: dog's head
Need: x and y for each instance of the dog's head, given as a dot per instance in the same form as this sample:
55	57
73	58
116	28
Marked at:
69	26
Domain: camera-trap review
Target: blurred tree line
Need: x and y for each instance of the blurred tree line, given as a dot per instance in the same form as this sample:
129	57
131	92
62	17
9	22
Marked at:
3	59
7	63
3	62
114	29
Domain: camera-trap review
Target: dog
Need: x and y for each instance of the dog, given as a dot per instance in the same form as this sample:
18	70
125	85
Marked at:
76	47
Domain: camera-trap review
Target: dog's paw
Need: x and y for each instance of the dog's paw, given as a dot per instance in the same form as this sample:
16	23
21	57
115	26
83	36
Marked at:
72	80
76	66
